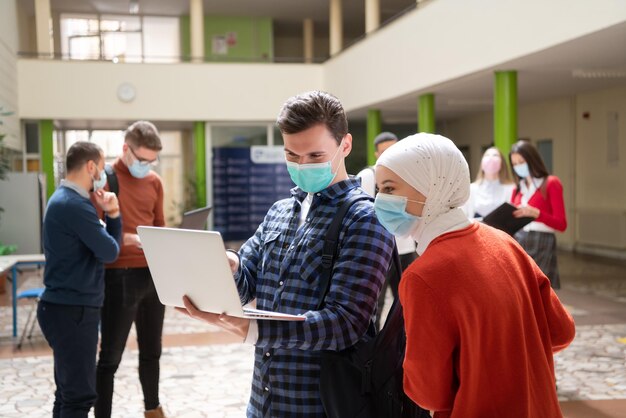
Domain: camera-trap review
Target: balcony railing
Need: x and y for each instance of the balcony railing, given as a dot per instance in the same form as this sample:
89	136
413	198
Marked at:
153	59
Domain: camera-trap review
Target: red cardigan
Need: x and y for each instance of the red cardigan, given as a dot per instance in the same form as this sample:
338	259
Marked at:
551	208
482	323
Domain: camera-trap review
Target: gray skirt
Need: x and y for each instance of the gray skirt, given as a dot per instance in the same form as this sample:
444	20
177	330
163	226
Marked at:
541	246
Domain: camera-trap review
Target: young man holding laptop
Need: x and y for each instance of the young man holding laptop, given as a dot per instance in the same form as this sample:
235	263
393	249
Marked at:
280	266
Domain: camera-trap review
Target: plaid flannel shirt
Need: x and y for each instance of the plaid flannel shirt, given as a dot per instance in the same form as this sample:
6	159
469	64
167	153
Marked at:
281	267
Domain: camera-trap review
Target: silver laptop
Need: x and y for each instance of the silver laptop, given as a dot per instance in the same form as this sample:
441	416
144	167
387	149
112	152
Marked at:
195	219
194	263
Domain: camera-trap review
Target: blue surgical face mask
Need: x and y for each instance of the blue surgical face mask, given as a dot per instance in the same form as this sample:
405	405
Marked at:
99	184
139	170
391	212
313	178
522	170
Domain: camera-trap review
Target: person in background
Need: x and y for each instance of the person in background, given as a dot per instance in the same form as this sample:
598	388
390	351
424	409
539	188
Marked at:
76	245
130	295
281	265
481	320
493	185
405	245
540	196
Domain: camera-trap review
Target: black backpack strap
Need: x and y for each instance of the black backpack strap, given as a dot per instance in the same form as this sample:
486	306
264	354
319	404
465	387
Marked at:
114	185
331	244
395	319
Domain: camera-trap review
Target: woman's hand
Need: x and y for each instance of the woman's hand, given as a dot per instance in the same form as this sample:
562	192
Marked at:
232	324
526	212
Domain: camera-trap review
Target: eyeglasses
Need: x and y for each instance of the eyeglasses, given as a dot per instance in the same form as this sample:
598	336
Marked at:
143	161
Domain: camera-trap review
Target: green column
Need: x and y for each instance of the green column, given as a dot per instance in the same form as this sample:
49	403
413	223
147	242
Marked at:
374	126
426	113
46	129
505	110
199	147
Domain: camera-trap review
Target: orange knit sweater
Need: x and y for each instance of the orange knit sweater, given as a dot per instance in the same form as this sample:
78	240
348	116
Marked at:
482	323
141	203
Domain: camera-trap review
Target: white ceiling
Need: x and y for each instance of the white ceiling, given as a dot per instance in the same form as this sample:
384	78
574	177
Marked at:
541	76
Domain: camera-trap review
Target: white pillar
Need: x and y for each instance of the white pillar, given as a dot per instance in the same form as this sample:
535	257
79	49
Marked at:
308	36
336	27
196	26
43	24
372	15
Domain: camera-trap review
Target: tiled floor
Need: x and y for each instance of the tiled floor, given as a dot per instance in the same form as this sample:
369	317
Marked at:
206	373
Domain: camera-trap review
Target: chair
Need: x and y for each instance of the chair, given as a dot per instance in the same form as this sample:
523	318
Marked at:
30	294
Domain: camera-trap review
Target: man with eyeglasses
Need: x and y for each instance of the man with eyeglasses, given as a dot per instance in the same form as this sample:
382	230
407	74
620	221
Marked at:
130	295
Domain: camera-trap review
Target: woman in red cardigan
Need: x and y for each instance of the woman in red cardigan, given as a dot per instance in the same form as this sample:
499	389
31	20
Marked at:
481	319
540	196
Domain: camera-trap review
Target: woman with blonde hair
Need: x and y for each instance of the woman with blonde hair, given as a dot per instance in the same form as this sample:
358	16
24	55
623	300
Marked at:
493	185
481	319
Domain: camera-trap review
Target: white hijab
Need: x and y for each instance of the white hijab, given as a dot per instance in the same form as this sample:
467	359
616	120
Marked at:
435	167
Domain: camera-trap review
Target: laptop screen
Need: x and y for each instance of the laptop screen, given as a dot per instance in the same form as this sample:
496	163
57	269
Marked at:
195	219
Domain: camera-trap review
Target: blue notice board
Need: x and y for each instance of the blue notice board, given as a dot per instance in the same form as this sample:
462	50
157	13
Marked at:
246	182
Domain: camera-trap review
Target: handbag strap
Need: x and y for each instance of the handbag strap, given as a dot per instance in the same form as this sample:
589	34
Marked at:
331	245
330	250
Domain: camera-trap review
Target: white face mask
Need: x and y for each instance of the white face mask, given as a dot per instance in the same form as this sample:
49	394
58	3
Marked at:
391	213
522	170
101	182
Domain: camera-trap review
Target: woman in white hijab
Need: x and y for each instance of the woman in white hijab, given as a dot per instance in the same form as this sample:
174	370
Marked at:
481	318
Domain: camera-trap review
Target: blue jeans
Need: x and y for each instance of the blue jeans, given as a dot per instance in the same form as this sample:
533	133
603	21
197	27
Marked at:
72	332
129	296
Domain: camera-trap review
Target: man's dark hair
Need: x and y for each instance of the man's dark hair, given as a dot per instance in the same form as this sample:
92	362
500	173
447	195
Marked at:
143	134
80	153
306	110
384	137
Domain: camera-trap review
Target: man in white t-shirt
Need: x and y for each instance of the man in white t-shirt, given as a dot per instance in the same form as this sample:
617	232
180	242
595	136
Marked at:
406	245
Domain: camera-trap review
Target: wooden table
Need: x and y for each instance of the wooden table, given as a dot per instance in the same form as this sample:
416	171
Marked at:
12	262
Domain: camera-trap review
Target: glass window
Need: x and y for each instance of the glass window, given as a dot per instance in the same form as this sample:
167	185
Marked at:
120	38
161	39
121	47
120	23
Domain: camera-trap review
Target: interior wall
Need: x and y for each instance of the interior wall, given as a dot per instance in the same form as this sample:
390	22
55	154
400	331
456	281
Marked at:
546	120
291	48
9	44
224	92
555	120
27	31
252	39
474	131
592	177
600	180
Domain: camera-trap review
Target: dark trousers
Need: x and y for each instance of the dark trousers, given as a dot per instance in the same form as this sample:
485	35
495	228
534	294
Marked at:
72	332
129	296
405	261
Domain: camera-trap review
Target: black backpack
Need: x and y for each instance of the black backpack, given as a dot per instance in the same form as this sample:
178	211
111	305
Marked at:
114	185
366	380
